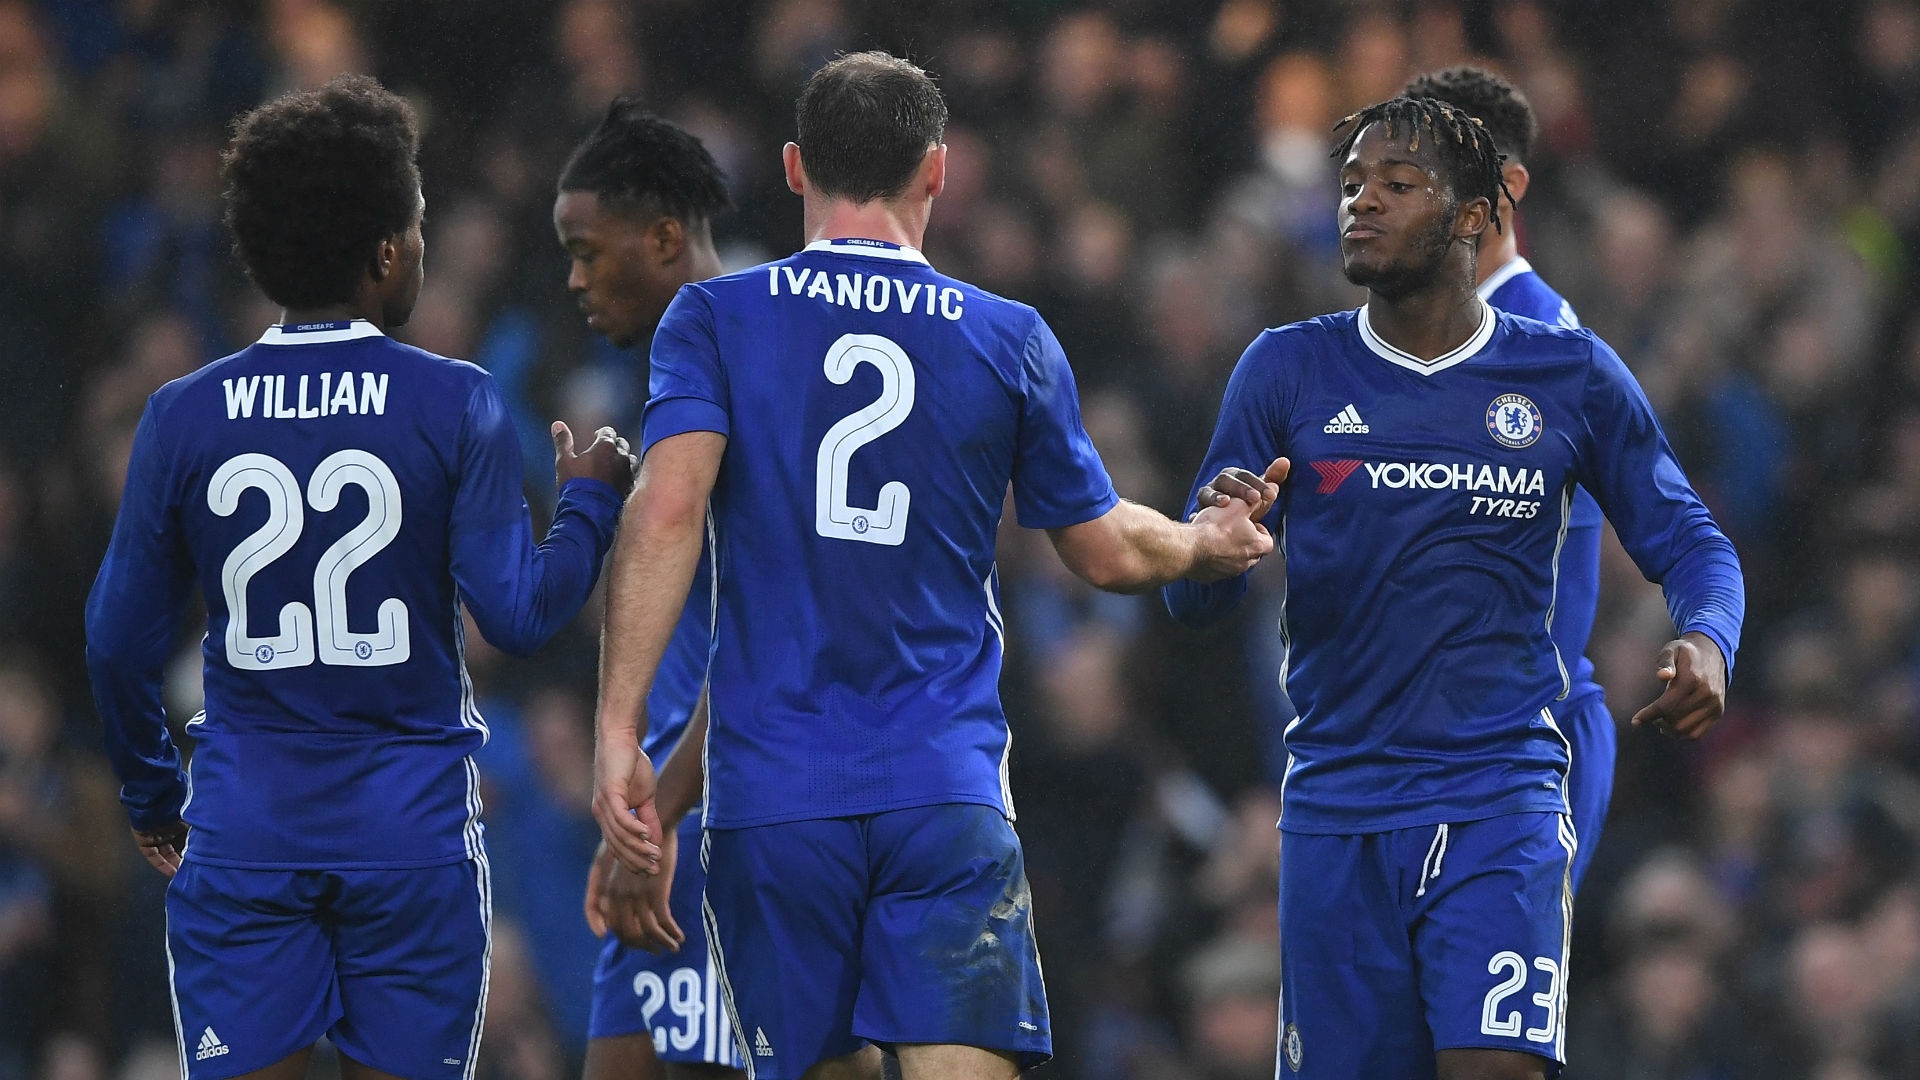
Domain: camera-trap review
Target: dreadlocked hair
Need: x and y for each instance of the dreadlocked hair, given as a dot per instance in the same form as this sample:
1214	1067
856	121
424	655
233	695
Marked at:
635	161
1467	152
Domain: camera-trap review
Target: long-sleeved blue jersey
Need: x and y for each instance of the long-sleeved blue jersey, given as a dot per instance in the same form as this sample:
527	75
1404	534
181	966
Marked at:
1423	528
336	496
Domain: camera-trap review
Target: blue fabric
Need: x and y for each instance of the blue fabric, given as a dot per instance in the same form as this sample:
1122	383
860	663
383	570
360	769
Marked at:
913	926
674	997
1421	556
1396	944
1590	729
339	733
858	645
390	965
1584	717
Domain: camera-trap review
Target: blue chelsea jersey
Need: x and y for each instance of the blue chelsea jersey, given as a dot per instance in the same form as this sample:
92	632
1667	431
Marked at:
336	497
1423	530
875	412
1517	290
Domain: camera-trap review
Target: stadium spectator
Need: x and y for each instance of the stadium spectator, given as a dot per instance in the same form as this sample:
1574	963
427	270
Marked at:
1698	278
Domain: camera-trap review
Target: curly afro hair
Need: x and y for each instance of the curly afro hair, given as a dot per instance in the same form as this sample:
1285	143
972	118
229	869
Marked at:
1504	110
315	180
637	163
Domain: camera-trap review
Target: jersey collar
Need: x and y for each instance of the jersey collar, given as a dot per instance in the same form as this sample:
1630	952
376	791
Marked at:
1465	351
1513	268
319	333
872	249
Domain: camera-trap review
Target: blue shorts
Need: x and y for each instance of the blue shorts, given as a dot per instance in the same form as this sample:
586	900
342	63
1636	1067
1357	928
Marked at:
1394	945
391	965
910	926
1595	740
674	997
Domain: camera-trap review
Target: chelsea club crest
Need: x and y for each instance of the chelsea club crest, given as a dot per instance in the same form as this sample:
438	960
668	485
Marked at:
1290	1045
1514	420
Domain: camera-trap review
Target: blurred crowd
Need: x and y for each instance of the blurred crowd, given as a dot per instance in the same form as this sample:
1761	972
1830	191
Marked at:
1727	190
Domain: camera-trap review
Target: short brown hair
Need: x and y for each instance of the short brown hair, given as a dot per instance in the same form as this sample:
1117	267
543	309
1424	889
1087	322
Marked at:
866	120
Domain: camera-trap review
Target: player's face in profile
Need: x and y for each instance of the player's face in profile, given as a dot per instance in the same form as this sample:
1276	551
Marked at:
1396	215
613	275
409	272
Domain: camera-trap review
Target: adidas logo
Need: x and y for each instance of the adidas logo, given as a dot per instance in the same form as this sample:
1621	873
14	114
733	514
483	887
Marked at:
210	1046
1347	422
761	1047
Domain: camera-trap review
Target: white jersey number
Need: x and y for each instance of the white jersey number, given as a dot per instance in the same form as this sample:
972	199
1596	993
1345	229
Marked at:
682	992
1509	1026
833	517
306	633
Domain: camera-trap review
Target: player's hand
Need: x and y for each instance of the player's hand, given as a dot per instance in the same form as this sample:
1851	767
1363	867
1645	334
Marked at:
1258	492
1231	541
163	847
623	791
639	907
1696	676
608	458
634	907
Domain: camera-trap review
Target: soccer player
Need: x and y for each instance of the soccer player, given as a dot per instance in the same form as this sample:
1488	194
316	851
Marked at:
1425	899
856	418
633	212
337	497
1508	282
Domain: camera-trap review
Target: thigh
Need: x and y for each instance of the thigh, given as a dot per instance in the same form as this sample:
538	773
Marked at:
956	1063
949	955
1591	732
784	904
413	951
622	1057
1349	986
251	967
1492	936
674	998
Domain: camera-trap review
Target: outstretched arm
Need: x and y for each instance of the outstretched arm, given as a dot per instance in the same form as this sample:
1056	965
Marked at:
653	567
521	594
1132	548
1248	432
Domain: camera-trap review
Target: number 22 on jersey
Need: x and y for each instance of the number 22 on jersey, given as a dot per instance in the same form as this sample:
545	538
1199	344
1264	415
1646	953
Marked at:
319	632
833	517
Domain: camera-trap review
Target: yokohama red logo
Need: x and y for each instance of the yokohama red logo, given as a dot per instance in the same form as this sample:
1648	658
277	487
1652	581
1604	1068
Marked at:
1333	474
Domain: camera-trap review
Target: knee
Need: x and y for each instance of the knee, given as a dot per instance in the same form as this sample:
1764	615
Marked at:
1490	1065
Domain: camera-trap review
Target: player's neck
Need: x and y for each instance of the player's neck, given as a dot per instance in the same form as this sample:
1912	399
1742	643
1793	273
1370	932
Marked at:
703	261
1427	323
1505	249
332	313
894	221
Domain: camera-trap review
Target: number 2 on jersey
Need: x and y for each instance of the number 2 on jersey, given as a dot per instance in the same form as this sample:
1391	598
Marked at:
833	517
321	630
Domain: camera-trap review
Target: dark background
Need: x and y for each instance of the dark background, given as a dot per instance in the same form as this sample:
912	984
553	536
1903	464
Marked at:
1727	190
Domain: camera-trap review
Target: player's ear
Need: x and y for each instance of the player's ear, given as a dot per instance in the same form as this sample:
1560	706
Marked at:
936	170
1472	218
666	238
796	172
1517	178
386	258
